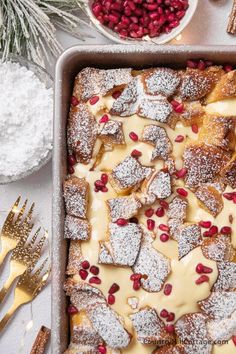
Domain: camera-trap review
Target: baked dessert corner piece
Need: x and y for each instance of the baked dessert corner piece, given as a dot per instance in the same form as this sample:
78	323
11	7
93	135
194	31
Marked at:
82	132
76	196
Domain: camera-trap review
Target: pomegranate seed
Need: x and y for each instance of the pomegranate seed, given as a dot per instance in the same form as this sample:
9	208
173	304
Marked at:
234	340
182	192
135	276
181	173
111	299
164	237
102	349
104	119
229	196
170	328
150	224
202	279
95	280
160	212
136	285
211	232
228	68
71	170
121	222
104	189
164	313
85	265
207	270
114	288
234	199
94	270
136	153
149	212
71	160
99	184
94	100
167	289
201	65
116	94
74	101
104	178
192	64
205	224
164	227
199	268
226	230
179	139
83	274
179	107
164	204
195	128
170	317
133	136
72	310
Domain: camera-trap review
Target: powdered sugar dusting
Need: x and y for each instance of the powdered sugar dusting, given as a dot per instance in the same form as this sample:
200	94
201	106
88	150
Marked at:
25	120
192	330
219	305
189	237
152	263
161	81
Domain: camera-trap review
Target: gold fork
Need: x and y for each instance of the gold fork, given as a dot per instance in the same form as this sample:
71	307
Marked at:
14	229
27	288
25	255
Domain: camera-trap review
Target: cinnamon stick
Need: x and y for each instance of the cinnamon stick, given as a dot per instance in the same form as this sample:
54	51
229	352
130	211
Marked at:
232	20
41	341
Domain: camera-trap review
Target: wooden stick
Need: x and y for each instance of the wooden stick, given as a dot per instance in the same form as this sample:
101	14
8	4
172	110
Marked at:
41	341
232	20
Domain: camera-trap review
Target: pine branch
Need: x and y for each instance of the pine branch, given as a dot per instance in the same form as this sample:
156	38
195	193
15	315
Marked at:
27	27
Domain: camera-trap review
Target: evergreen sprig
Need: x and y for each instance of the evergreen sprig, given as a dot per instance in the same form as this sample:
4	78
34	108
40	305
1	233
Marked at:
27	27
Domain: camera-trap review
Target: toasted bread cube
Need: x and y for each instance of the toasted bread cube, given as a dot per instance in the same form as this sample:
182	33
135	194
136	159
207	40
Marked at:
229	172
128	175
149	327
123	207
112	133
76	196
77	229
203	163
90	82
210	199
82	131
162	81
218	248
225	88
218	131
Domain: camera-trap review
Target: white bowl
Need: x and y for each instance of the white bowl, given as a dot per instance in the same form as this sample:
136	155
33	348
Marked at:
163	38
44	77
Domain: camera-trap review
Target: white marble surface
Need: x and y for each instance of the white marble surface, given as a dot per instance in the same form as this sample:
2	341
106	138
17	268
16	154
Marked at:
207	27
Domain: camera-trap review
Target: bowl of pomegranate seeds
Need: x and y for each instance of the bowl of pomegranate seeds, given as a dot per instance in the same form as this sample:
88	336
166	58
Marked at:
153	21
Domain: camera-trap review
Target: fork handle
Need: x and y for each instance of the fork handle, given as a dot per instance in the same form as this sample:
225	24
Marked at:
7	286
8	315
4	252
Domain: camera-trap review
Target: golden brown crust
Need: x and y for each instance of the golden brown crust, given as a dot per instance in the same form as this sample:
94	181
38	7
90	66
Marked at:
218	131
76	196
82	131
209	199
203	163
228	173
225	88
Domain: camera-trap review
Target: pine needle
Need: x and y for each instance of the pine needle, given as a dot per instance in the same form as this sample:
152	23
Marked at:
27	27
